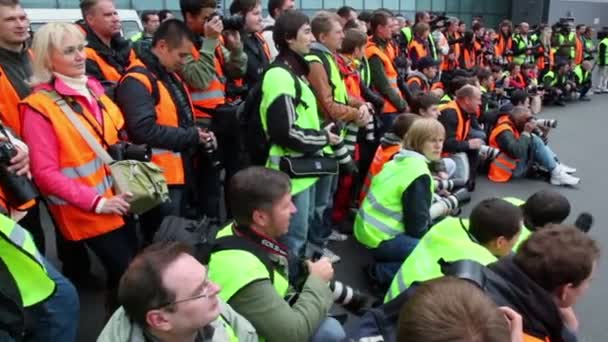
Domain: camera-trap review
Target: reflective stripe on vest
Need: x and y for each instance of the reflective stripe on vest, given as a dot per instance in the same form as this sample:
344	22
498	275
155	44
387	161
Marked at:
166	114
381	157
215	93
448	240
249	266
502	167
380	217
391	73
24	262
278	81
78	162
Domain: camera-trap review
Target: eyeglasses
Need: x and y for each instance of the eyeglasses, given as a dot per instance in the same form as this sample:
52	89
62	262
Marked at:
70	50
203	294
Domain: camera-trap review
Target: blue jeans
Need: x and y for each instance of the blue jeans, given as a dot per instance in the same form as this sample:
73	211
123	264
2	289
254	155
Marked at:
329	330
296	237
320	226
538	153
389	256
57	317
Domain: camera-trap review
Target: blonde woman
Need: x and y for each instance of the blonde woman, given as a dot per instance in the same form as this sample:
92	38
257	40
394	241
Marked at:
74	181
395	212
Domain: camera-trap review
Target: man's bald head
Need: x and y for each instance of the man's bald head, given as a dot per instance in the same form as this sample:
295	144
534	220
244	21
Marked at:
469	98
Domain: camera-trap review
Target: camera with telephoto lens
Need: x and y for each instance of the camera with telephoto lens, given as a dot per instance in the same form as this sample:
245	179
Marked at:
127	151
18	189
232	23
210	149
346	162
488	153
449	184
446	205
547	123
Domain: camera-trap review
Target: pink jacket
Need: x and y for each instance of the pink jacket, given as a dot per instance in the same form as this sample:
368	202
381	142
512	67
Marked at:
40	136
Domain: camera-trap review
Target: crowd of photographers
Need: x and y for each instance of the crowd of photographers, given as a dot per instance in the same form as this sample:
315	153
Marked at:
272	135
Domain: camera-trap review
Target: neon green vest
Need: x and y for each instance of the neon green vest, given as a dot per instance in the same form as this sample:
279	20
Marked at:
589	46
249	267
137	36
433	47
24	262
445	99
447	240
365	72
335	78
277	81
603	60
407	33
522	44
380	217
231	334
581	75
551	75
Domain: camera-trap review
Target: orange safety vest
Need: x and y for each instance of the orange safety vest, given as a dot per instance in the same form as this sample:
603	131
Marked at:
391	50
109	72
503	45
468	58
437	85
215	93
464	123
383	155
448	65
391	73
501	168
530	338
424	86
542	61
578	57
9	113
166	115
80	163
420	49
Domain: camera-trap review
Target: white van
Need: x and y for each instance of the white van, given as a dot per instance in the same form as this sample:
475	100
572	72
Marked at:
129	19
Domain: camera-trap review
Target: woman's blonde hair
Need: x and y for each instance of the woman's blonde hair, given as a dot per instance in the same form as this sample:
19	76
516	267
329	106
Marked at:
46	40
422	130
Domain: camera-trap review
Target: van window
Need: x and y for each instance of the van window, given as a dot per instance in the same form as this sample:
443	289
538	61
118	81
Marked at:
129	28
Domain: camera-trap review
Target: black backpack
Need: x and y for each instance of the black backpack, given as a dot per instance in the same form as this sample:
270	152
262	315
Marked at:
255	143
201	236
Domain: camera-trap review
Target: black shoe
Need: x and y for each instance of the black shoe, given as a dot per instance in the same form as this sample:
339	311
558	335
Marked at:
585	99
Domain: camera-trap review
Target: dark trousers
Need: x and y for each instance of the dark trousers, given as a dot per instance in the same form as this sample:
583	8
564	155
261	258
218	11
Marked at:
31	222
150	221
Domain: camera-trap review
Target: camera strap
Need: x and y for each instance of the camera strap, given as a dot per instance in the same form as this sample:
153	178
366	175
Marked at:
77	108
270	245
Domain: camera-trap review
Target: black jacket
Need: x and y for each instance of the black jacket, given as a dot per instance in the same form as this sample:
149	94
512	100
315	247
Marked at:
138	107
257	60
117	54
449	119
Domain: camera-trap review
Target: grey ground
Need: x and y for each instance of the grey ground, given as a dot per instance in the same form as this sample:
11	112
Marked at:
580	140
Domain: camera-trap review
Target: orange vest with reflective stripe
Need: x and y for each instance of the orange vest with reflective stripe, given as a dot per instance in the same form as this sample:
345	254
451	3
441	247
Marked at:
542	61
166	115
424	86
80	163
503	45
383	155
455	49
468	58
391	73
109	72
215	93
421	50
464	123
502	167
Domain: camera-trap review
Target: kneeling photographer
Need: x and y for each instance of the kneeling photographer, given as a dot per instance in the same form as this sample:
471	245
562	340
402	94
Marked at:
250	265
522	150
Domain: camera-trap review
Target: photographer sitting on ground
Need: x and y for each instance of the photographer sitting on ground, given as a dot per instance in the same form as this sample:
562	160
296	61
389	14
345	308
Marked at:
261	202
521	148
395	213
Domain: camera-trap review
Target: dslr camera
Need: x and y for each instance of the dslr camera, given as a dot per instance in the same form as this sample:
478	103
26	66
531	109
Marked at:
19	189
126	151
232	23
449	204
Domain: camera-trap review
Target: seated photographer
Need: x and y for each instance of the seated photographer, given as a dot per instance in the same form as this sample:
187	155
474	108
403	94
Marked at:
394	215
582	77
452	309
493	229
520	148
166	295
422	79
158	112
557	85
463	134
261	202
517	80
545	278
535	91
73	179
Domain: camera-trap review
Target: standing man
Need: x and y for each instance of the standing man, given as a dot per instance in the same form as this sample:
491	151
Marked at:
522	45
275	8
143	40
158	112
108	54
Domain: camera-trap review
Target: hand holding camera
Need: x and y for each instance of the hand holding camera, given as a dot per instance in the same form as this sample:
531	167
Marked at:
20	163
530	126
321	268
213	27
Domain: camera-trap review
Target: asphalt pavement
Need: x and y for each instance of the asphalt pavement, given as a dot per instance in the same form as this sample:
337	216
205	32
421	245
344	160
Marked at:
580	140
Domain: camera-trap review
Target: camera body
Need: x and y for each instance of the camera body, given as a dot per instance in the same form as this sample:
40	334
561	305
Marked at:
18	189
126	151
232	23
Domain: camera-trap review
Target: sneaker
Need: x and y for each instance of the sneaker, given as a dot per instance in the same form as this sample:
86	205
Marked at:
560	177
337	236
568	169
333	257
